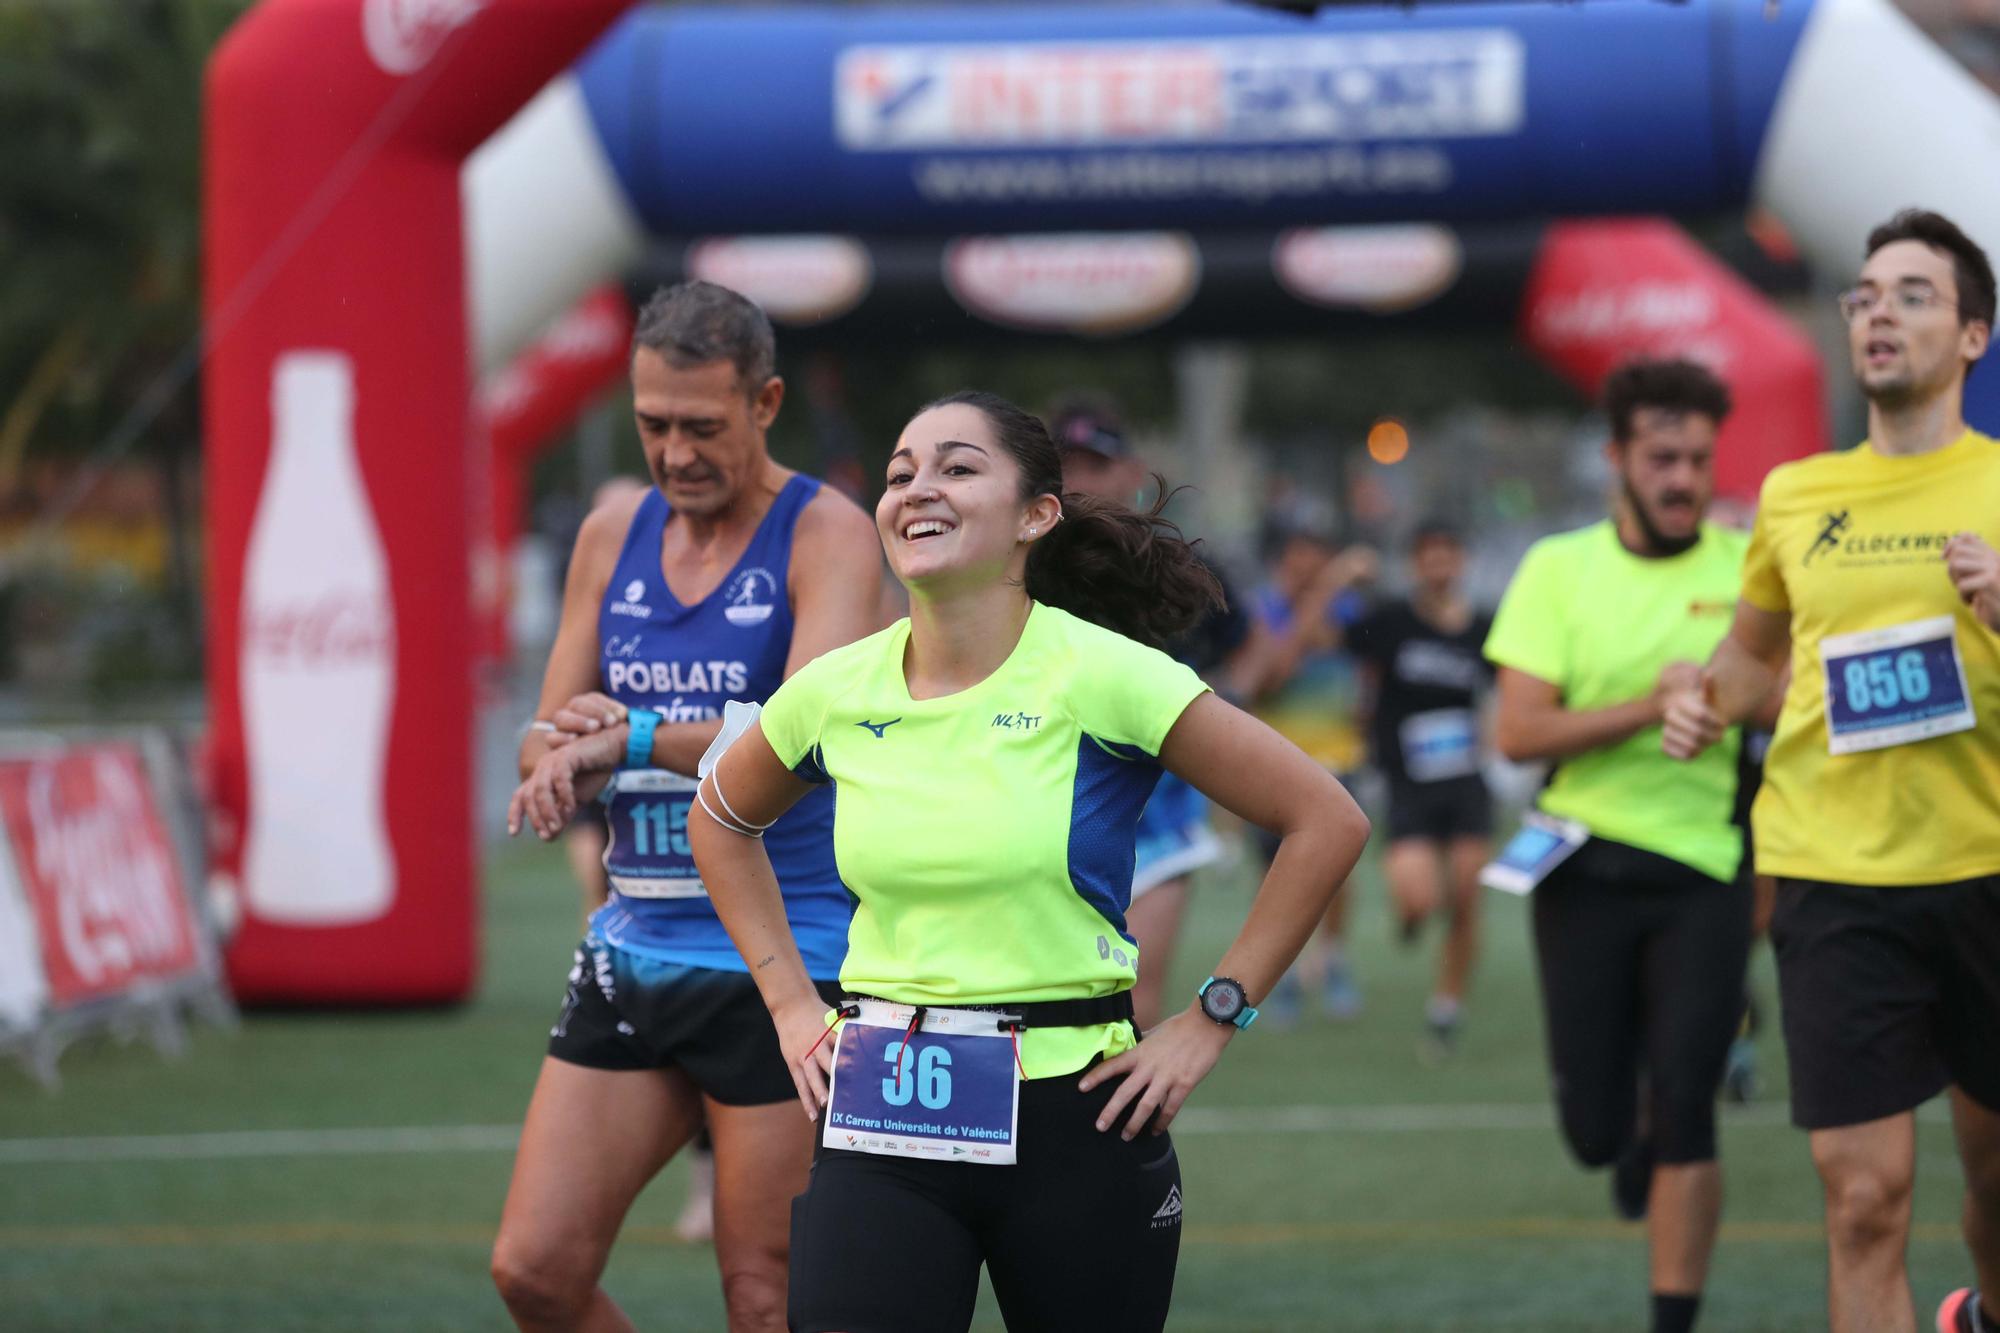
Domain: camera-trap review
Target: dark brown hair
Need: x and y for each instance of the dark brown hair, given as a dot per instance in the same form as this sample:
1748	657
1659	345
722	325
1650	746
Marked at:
1128	570
694	323
1671	386
1970	268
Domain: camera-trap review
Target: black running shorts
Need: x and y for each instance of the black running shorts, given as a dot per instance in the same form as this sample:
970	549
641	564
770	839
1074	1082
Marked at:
1440	811
1889	994
626	1011
1642	961
1081	1235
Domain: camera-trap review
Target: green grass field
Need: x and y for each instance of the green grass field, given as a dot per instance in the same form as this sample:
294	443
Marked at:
1332	1181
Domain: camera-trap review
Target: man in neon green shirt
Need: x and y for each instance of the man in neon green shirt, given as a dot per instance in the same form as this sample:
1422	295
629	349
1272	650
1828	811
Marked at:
1643	933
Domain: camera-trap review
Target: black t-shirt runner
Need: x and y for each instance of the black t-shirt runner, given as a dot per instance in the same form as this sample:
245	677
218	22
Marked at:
1218	633
1425	725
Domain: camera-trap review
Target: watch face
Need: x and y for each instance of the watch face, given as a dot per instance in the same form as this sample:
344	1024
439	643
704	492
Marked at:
1222	1001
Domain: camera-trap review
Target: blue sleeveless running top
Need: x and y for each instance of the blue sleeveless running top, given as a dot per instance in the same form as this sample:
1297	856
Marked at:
685	662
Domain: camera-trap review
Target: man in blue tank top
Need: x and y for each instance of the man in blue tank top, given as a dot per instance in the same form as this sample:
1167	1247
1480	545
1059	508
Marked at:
716	583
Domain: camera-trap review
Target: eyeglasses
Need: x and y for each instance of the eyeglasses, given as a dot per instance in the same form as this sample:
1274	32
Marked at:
1909	300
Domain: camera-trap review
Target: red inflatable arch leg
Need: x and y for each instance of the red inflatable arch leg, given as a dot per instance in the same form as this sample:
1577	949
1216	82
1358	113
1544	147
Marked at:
336	394
1603	292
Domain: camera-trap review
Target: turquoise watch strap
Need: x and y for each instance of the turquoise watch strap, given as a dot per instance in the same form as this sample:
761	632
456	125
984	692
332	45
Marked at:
639	740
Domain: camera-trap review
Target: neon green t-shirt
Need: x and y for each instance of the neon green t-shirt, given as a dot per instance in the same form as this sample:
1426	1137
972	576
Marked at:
1588	616
988	835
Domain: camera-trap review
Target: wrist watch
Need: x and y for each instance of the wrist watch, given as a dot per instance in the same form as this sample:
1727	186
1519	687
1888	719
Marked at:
1223	1001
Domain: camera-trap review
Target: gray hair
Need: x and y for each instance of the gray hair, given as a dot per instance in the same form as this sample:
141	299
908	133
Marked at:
694	323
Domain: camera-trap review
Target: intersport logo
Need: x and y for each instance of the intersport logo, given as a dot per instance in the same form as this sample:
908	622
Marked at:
1409	85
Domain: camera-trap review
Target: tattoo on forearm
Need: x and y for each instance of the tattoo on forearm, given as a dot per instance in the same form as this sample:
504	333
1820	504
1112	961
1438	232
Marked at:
766	960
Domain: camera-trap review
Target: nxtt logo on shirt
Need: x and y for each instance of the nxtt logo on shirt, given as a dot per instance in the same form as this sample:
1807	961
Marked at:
1019	721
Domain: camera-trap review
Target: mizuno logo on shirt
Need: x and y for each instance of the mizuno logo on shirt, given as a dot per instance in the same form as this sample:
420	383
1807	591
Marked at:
879	727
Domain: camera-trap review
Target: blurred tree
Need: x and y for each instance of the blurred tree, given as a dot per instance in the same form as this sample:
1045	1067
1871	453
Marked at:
100	115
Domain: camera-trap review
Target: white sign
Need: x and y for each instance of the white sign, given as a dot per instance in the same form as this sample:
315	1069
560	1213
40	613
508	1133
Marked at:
1378	269
1455	83
24	988
1085	282
798	280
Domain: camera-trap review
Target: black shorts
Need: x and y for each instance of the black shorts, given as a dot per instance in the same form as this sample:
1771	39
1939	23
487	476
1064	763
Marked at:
1889	995
592	817
1641	962
625	1011
1440	811
1081	1235
1267	842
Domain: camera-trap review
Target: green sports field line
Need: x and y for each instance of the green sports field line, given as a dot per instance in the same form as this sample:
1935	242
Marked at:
1416	1118
1256	1235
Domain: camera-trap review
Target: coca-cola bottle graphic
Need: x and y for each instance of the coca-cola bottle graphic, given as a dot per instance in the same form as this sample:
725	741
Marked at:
318	664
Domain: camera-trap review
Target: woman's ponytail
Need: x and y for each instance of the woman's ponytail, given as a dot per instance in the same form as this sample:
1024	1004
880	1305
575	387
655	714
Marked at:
1128	570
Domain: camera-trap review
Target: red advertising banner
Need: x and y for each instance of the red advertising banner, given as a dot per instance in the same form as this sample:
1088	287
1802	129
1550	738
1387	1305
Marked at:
99	872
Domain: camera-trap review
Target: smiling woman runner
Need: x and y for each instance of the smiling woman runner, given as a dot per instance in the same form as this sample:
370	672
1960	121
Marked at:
990	1101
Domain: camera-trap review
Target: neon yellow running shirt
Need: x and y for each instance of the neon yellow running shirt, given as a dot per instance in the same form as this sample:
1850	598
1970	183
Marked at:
1850	543
1588	616
988	835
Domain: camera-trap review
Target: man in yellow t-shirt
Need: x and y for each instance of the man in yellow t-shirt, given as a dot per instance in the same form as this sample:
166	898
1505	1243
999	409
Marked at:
1880	811
1643	933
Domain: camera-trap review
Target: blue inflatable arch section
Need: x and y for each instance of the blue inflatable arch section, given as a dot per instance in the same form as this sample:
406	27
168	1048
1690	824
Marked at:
835	119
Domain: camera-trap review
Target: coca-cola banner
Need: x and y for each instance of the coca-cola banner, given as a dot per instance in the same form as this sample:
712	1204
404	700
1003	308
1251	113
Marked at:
98	873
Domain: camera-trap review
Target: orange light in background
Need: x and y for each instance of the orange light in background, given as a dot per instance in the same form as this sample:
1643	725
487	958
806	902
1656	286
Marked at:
1388	441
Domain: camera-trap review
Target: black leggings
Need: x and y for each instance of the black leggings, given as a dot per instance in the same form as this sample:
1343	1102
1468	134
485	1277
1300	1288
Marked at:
1642	965
1082	1233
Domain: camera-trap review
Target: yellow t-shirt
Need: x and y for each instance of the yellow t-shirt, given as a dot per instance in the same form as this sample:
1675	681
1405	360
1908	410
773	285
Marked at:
1853	542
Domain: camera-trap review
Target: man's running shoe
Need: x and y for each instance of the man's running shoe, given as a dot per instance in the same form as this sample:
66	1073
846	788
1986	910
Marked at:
1632	1180
1442	1014
1340	995
1439	1042
1739	1075
697	1220
1280	1009
1960	1313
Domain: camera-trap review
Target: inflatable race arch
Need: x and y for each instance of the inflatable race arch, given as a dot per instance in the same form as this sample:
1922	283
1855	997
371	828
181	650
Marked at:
381	225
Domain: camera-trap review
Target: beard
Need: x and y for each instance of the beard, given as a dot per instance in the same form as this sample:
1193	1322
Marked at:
1657	542
1894	395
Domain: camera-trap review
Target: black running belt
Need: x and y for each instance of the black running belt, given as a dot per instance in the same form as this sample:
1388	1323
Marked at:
1048	1013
